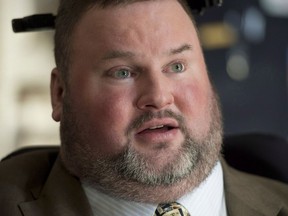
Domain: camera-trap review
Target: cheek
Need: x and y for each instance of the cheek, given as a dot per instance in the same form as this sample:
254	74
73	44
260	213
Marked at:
101	103
113	110
105	115
109	123
195	105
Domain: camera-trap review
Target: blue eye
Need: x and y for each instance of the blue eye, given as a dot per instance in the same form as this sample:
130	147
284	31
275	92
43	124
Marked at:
122	74
177	67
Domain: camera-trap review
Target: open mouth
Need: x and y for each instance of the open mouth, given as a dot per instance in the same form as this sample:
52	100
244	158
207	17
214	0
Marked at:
157	129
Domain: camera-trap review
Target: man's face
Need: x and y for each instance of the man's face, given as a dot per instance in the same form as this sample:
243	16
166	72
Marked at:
138	98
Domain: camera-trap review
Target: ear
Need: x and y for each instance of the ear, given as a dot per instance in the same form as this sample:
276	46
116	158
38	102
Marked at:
57	93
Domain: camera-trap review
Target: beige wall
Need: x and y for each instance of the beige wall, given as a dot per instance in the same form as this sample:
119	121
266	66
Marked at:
26	60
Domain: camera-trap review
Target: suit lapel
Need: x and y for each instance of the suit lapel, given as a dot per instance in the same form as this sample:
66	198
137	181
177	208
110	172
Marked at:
62	195
244	196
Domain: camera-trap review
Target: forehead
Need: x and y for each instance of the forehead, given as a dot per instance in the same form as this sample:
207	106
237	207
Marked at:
140	24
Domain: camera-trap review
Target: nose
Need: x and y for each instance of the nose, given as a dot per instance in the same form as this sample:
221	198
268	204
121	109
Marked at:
155	93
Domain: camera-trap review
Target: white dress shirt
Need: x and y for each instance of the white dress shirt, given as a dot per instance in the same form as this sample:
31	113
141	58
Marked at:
206	200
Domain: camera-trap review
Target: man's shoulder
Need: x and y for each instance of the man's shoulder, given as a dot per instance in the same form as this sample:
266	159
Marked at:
26	168
244	190
257	183
22	176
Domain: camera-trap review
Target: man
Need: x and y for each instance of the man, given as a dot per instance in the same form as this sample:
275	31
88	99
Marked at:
140	122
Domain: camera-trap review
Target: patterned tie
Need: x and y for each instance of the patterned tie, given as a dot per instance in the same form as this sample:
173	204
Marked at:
171	209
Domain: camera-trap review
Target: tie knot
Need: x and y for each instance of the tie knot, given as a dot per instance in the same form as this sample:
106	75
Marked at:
171	209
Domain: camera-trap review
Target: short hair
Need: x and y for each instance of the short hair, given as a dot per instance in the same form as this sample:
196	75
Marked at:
68	15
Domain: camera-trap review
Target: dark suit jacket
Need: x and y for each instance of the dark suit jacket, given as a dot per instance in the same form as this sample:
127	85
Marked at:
36	184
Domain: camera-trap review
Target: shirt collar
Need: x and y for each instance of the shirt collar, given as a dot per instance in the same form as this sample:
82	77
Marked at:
207	199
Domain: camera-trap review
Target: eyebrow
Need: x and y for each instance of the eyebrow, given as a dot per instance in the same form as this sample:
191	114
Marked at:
118	54
126	54
181	49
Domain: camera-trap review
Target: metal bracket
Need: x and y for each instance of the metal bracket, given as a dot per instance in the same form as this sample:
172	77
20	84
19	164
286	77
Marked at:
40	22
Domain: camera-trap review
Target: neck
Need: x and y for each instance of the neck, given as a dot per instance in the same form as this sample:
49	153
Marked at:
133	191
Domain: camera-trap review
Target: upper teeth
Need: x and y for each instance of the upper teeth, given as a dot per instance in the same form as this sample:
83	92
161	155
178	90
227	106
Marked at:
156	127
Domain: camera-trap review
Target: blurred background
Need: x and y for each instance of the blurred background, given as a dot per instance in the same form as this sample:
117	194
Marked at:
246	47
26	60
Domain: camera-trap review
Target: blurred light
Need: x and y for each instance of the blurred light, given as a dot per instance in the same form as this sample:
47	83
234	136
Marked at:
275	7
217	35
254	25
238	67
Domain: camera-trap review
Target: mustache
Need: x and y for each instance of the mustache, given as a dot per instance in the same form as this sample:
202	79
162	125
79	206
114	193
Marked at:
148	116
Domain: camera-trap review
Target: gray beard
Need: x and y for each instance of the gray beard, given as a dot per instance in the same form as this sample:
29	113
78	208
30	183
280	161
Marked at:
129	175
134	166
